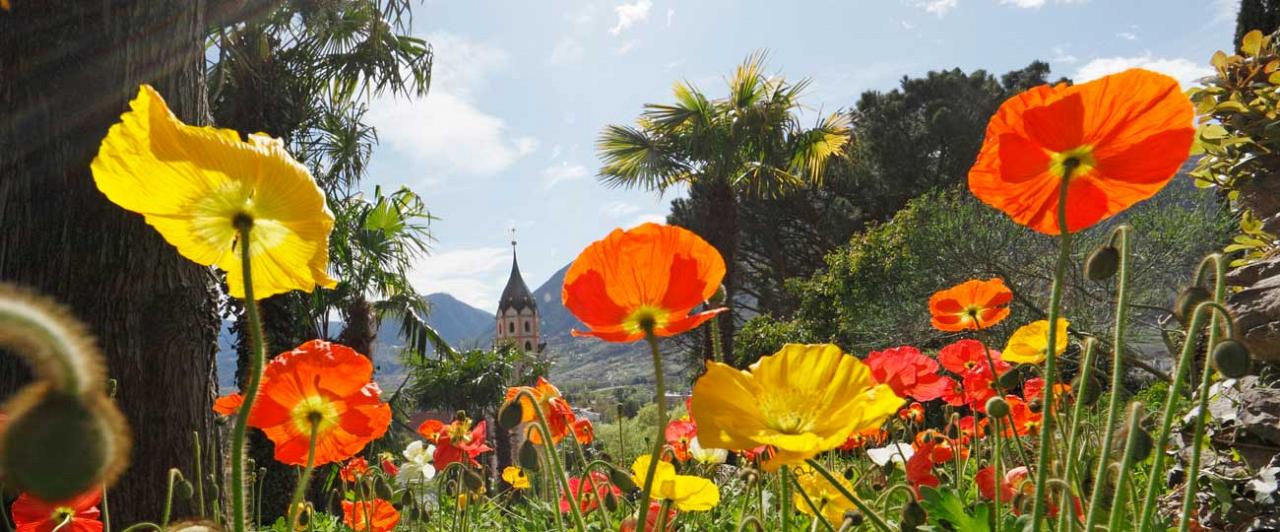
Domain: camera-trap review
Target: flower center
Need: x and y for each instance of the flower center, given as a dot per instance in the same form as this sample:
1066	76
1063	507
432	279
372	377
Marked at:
646	318
787	410
62	514
314	411
1076	160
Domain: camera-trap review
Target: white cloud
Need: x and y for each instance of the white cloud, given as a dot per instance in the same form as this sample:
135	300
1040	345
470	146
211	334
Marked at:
671	15
618	209
568	50
1061	55
1127	35
1037	4
447	133
651	217
907	25
631	14
473	275
559	173
1184	70
626	47
937	7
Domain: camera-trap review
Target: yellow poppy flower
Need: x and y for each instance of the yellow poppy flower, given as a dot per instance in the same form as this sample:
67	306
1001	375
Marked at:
1029	344
516	477
802	400
688	493
194	184
825	497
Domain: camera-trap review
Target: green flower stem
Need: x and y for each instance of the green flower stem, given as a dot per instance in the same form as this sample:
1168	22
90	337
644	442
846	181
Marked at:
995	381
717	345
998	469
785	503
586	477
1086	366
660	398
106	511
1121	235
808	501
168	497
1134	427
1051	355
554	458
199	463
1166	420
1202	409
659	522
256	357
867	511
301	489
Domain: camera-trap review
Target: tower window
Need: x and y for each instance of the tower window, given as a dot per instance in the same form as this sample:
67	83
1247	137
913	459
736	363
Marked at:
511	327
526	326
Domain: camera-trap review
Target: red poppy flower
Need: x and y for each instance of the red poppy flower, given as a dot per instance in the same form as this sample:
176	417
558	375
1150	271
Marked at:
79	514
651	521
762	453
970	305
596	488
912	414
978	388
379	513
555	409
986	481
1125	135
354	469
650	274
1024	420
935	445
325	385
583	431
431	429
965	356
954	394
388	465
908	372
865	438
920	472
1034	389
678	434
228	404
460	442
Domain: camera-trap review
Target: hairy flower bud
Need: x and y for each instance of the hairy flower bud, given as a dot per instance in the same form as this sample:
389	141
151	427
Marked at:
1188	299
1231	359
997	407
1102	263
622	480
57	446
528	456
510	414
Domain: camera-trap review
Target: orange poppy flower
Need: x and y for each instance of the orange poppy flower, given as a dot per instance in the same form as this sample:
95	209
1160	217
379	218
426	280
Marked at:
583	431
228	405
380	514
559	414
679	432
431	429
1125	134
970	305
324	384
79	514
649	274
460	442
354	469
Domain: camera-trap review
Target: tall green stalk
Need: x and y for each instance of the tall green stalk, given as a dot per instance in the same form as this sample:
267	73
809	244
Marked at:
1202	409
660	398
1117	377
305	479
1051	355
1134	428
867	511
1086	369
256	356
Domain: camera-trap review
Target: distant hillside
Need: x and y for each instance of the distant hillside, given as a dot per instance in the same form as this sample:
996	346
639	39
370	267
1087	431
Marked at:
462	325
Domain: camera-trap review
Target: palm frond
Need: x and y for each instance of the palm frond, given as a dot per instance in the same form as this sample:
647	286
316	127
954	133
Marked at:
811	149
634	158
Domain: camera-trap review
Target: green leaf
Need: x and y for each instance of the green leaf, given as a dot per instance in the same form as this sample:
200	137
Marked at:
1231	105
1251	44
1214	132
947	512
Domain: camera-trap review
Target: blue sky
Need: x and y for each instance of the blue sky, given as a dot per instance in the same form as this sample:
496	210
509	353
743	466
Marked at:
521	89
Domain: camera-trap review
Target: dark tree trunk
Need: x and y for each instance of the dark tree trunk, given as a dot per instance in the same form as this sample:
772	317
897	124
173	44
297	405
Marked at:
722	225
361	328
67	70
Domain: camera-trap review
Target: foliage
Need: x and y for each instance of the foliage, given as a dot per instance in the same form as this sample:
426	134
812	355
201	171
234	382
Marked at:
473	381
764	334
873	291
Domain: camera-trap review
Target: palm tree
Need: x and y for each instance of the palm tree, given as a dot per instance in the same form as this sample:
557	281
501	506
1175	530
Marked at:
748	144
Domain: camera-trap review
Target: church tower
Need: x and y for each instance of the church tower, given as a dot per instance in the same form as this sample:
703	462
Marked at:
518	319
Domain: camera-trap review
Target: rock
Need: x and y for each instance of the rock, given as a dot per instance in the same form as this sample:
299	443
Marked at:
1256	307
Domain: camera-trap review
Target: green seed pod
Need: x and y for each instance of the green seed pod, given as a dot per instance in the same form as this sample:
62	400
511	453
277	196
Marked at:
528	456
473	480
1142	446
622	480
997	407
1102	263
185	489
1035	405
610	501
384	491
1231	359
57	446
510	414
1187	301
1087	389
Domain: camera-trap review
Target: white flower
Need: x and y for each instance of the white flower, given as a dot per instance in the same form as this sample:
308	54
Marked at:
706	456
896	452
418	468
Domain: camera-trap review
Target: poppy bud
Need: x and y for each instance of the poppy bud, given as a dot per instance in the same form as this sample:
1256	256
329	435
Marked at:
717	298
848	473
1009	380
610	501
528	456
1142	446
913	515
1102	263
185	489
384	491
853	518
473	480
1187	301
1035	405
622	480
997	407
56	446
510	414
1087	389
1231	359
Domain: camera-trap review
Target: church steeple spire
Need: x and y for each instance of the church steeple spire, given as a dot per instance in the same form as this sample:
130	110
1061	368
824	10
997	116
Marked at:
518	318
